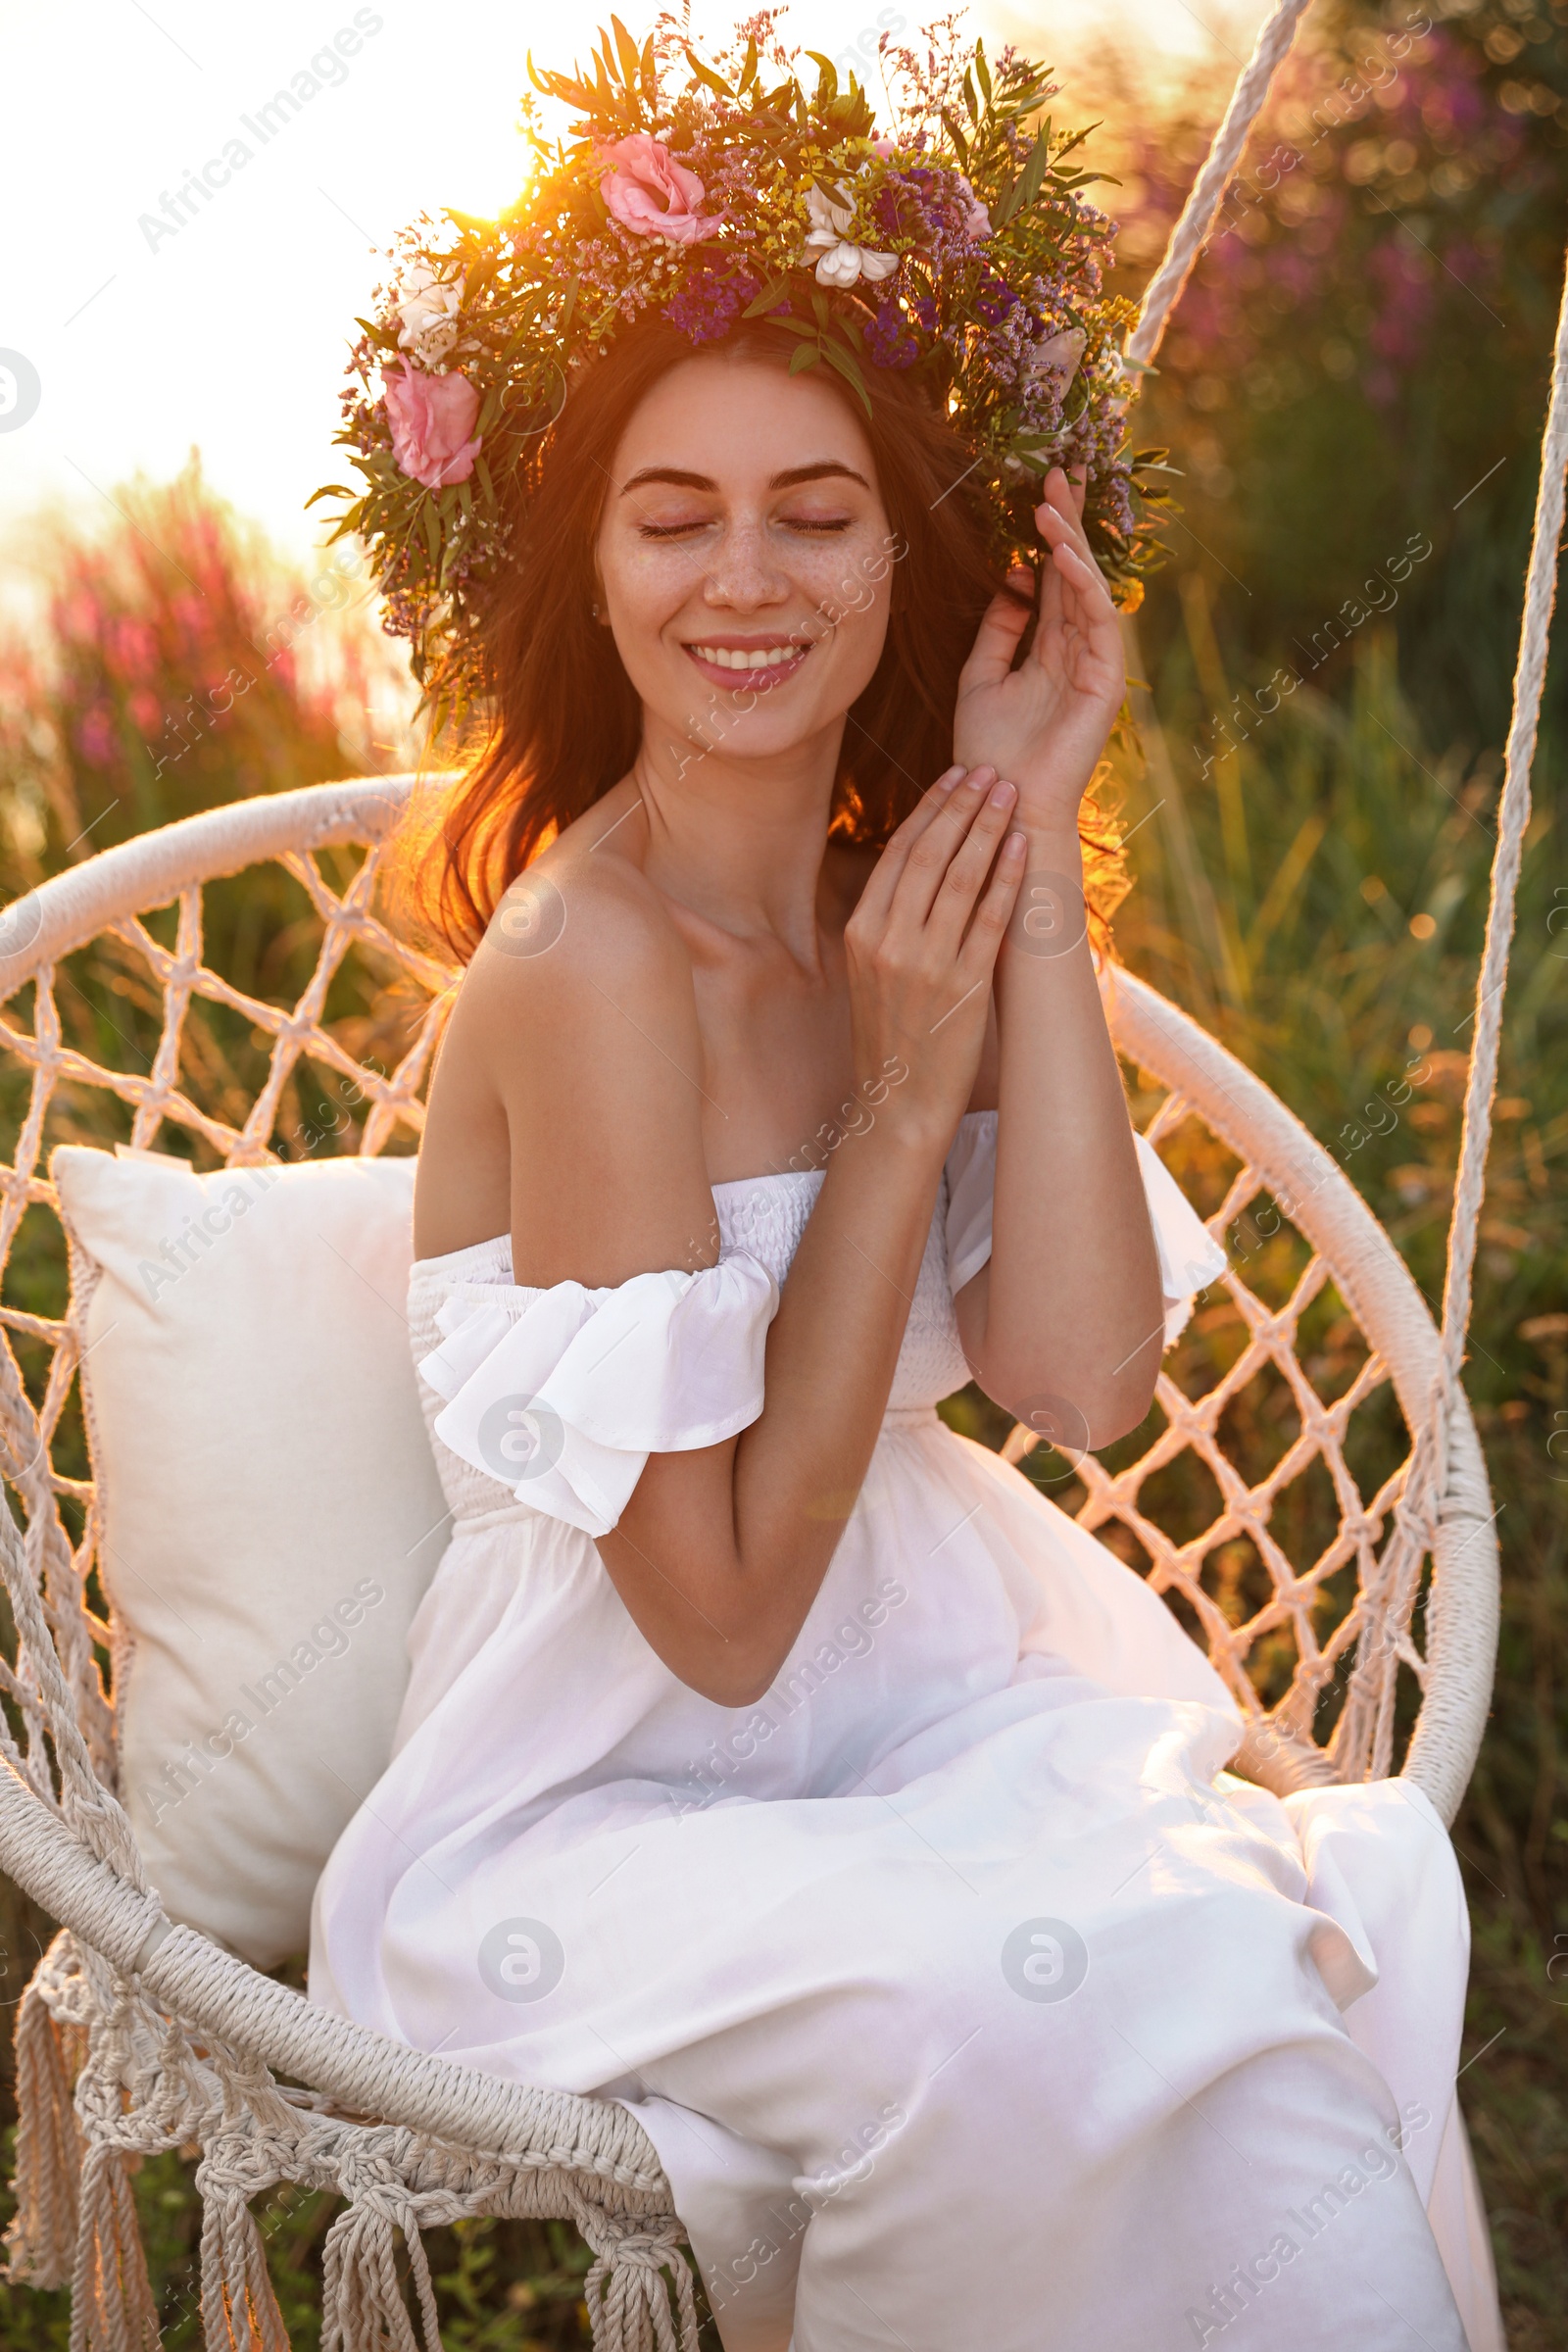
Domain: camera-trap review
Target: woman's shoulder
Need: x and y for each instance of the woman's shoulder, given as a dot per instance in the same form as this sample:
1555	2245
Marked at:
579	940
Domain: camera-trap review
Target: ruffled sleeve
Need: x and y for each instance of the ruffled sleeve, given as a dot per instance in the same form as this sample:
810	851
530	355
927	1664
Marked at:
562	1395
1190	1258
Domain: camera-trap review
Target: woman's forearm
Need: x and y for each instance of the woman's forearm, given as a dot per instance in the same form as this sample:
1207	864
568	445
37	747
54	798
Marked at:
834	1345
726	1549
1072	1319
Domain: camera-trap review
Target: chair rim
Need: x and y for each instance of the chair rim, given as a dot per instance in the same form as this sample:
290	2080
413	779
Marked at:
1382	1294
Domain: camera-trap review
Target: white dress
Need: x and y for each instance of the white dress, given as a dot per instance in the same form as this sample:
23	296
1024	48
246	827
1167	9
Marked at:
966	2011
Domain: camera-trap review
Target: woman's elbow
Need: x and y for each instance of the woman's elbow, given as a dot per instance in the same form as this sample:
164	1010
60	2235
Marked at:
1120	1411
729	1682
1075	1410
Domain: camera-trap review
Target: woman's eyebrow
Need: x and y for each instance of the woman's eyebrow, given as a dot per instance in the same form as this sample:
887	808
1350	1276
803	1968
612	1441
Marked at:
667	474
818	473
823	471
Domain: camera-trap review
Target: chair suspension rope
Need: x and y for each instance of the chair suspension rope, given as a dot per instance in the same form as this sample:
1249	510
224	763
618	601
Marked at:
1190	232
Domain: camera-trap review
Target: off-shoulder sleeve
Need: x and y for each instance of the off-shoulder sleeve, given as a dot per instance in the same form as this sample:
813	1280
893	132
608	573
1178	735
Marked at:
1190	1258
562	1395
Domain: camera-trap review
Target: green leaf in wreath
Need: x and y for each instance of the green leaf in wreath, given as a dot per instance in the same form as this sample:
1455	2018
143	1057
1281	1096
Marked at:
768	299
1026	187
845	363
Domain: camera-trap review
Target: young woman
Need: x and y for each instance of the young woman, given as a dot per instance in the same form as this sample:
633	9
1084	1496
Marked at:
775	1759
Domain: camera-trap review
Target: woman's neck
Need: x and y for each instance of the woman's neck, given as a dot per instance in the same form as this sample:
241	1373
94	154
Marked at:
741	843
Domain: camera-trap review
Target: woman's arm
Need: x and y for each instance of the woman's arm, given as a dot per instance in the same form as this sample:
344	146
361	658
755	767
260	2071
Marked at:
1065	1324
720	1552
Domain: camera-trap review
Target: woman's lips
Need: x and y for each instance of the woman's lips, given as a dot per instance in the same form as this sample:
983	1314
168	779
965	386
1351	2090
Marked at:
752	670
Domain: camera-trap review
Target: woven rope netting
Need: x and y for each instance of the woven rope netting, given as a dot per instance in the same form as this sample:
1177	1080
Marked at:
1242	1405
1276	1505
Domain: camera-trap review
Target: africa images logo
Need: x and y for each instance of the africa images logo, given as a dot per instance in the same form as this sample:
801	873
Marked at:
326	70
521	1960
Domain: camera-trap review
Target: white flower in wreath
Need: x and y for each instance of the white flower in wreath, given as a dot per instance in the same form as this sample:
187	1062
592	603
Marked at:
427	308
839	262
1064	350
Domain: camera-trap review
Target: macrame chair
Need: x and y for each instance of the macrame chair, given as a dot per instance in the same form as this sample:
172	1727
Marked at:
137	2035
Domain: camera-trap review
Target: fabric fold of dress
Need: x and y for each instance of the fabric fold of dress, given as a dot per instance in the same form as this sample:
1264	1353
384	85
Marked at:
957	1969
564	1394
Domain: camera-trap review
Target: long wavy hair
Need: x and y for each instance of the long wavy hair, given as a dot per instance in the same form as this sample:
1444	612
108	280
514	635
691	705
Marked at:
562	723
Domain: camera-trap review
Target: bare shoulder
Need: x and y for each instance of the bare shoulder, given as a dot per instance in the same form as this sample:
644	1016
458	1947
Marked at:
574	1039
579	932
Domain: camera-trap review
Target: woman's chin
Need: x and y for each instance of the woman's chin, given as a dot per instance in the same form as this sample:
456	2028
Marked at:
738	728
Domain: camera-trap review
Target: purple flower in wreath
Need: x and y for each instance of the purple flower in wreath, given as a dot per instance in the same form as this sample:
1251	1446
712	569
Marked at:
888	338
715	292
993	299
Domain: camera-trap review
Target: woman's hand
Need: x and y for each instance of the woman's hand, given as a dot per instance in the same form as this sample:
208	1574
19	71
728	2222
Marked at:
1045	723
921	948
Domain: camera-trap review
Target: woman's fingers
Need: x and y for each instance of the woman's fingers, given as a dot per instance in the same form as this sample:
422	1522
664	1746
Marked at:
1060	514
1088	607
970	864
931	853
1003	622
978	956
1077	584
877	895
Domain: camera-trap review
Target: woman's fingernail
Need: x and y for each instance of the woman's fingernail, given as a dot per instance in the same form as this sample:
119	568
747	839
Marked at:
1015	844
1001	793
980	777
945	782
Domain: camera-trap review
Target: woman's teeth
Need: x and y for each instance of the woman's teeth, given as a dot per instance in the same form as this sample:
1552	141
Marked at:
723	657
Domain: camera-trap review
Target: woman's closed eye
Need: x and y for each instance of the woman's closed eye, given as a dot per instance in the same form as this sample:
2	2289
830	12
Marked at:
810	527
677	527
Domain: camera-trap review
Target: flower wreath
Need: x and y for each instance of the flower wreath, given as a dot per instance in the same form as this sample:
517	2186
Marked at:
957	246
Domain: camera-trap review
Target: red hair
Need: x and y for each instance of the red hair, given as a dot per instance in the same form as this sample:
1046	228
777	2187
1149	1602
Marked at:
564	723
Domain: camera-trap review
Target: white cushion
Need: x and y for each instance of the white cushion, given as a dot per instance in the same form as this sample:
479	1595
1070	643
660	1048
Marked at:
270	1508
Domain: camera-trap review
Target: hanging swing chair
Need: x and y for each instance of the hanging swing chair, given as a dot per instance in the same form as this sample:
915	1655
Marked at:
137	2035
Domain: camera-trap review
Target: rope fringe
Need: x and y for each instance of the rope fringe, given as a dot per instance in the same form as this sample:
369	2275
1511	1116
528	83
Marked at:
637	2275
240	2309
111	2308
41	2241
364	2310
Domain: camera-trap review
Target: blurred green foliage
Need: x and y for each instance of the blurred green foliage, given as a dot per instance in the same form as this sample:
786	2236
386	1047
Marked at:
1362	354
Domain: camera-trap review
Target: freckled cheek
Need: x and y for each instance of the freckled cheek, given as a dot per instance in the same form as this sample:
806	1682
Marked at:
841	585
648	589
849	618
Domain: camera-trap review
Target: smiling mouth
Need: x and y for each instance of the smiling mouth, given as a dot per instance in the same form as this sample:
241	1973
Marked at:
763	664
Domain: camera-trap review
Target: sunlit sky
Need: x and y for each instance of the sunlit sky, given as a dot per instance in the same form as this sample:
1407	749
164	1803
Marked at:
230	335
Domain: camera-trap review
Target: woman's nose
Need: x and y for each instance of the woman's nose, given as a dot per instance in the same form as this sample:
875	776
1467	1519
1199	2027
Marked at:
744	574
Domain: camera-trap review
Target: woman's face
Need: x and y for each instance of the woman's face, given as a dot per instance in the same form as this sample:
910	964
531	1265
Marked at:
743	560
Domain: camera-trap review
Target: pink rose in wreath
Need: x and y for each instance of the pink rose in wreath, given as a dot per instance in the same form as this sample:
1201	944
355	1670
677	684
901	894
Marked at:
432	418
651	194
